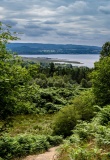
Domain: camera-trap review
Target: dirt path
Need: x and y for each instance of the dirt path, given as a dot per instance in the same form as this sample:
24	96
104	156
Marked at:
49	155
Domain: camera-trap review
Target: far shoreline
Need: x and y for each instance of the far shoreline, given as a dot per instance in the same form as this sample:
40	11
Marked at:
49	60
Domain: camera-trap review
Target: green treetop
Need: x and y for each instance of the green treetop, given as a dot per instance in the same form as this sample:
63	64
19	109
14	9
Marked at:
101	77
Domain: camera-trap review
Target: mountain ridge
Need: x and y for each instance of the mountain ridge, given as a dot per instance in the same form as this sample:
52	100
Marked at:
40	48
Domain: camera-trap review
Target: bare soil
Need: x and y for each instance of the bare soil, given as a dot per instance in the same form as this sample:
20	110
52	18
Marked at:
49	155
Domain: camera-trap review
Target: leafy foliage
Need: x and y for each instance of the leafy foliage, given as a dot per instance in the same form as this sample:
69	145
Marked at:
81	108
22	145
89	140
103	117
65	121
100	81
29	88
14	81
105	52
85	104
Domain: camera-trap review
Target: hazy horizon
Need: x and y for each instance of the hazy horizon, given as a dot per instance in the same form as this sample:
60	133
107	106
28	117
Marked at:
52	43
80	22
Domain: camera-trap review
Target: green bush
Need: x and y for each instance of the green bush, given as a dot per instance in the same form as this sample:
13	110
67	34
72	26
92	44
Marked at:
84	130
85	105
81	108
49	100
54	140
103	117
26	144
50	107
65	120
84	153
90	140
103	137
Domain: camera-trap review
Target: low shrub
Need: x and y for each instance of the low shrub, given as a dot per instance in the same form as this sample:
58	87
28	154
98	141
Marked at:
26	144
65	120
54	140
90	140
85	105
83	151
103	117
50	107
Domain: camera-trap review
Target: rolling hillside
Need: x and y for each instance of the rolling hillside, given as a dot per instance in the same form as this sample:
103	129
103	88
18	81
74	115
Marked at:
39	48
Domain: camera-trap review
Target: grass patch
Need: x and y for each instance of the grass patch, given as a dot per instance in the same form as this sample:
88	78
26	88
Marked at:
34	124
29	134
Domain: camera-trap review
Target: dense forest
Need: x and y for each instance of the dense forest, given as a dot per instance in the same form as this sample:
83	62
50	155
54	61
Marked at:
39	48
44	105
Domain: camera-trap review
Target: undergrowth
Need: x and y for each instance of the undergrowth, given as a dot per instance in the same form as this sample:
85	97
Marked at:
89	141
34	124
25	144
29	134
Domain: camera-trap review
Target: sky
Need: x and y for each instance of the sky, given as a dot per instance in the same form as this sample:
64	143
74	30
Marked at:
84	22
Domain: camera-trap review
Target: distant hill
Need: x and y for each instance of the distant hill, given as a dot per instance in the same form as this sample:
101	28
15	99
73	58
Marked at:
39	48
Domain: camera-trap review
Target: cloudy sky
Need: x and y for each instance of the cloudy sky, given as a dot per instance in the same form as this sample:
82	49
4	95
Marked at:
59	21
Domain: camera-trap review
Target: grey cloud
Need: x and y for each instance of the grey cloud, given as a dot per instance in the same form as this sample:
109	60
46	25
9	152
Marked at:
87	18
34	33
66	34
29	32
76	7
72	21
105	9
31	26
47	28
51	22
41	27
33	30
9	22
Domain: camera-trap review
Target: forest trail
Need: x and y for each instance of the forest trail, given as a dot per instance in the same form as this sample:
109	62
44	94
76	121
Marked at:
49	155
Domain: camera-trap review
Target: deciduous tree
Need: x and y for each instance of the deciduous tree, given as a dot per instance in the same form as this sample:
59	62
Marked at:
101	77
14	79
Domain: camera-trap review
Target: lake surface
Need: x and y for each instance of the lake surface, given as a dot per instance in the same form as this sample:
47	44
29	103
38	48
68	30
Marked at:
86	59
